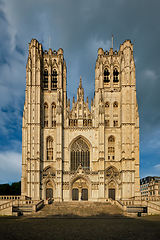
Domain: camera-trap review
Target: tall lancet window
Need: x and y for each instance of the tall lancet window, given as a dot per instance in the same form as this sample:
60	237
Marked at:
106	76
49	148
45	80
53	115
80	155
115	75
54	79
111	148
45	115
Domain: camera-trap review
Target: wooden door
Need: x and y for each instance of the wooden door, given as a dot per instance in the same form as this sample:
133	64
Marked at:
84	194
49	193
75	194
112	193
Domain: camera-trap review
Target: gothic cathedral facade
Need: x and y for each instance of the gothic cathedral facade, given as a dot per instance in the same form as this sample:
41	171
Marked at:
80	153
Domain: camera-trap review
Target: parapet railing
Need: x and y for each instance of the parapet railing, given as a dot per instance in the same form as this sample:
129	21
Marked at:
10	197
117	203
7	205
14	197
38	206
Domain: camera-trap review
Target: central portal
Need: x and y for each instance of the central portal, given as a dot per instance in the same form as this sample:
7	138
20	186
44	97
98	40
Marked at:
80	190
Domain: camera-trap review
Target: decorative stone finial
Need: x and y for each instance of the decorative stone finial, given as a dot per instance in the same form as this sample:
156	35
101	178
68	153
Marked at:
80	83
87	100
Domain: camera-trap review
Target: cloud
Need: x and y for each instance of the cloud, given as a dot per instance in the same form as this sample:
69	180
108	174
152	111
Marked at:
10	167
80	28
150	74
157	167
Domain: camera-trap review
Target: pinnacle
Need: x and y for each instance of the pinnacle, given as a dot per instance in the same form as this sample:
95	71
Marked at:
80	83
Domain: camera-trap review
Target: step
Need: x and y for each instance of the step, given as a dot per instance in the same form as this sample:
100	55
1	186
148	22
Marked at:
79	209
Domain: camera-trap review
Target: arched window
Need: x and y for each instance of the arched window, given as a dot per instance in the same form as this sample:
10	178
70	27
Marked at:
106	76
115	75
80	155
45	115
45	79
54	79
115	105
107	105
111	148
49	148
115	114
53	115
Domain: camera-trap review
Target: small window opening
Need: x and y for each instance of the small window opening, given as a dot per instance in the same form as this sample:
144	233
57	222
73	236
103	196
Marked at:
115	123
107	105
115	105
106	123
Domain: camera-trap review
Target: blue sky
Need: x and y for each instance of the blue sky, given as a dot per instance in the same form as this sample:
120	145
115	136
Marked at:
80	28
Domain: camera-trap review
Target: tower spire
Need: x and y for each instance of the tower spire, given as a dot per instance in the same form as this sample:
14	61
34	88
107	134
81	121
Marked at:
80	91
112	41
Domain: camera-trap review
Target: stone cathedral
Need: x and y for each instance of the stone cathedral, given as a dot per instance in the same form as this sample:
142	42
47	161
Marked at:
80	153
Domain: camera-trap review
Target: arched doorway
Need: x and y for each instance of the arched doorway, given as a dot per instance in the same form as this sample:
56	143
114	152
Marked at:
80	190
111	182
49	190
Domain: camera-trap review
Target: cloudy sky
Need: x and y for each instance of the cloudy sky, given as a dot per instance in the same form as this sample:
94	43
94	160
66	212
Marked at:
80	27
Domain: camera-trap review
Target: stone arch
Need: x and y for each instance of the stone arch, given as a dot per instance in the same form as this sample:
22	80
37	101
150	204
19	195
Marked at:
112	182
49	167
49	183
81	183
80	136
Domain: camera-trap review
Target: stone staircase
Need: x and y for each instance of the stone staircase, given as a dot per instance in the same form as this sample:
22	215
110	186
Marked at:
78	209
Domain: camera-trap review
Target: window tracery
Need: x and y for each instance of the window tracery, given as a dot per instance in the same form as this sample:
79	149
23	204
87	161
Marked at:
111	172
106	75
53	115
111	148
115	75
48	171
87	122
73	122
49	148
45	115
54	79
45	79
80	155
